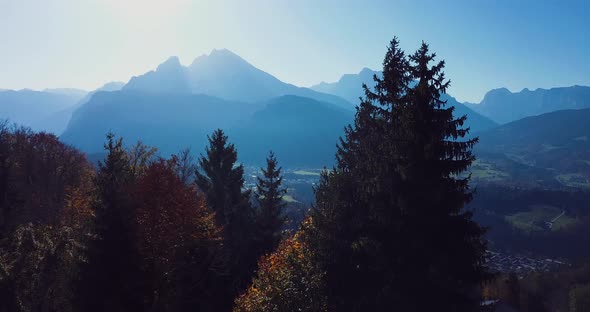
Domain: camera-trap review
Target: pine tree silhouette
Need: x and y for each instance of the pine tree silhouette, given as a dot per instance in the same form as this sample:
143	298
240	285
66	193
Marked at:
111	279
269	193
390	224
222	180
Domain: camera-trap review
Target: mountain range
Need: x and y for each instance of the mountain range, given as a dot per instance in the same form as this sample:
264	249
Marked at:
225	75
33	108
58	121
350	87
503	106
302	131
176	106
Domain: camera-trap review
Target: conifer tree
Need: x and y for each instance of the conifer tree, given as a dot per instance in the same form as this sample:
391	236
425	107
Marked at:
389	215
222	181
111	278
269	193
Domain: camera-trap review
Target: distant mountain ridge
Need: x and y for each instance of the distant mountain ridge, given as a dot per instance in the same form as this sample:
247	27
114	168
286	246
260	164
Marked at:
174	106
222	74
167	120
31	108
302	131
56	123
504	106
72	92
48	110
349	86
168	77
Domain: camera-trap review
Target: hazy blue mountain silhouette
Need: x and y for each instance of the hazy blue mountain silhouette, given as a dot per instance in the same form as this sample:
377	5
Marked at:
107	87
301	125
349	86
301	131
222	74
71	92
29	108
555	128
504	106
169	77
476	122
57	122
169	121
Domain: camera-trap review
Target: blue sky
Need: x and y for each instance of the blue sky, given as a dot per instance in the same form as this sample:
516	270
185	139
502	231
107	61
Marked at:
486	44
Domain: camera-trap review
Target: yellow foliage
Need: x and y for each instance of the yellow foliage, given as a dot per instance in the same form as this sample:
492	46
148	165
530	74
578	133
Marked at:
287	280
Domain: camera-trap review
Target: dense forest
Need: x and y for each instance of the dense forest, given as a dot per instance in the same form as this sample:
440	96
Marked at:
389	228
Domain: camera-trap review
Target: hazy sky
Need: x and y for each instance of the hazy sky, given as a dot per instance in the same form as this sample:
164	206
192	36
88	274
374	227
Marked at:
487	44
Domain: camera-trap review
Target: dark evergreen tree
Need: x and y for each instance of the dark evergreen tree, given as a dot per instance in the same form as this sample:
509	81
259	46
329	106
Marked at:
111	278
390	226
269	194
222	181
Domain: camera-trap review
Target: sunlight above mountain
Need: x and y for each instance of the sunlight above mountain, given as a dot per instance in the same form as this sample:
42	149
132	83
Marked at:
144	12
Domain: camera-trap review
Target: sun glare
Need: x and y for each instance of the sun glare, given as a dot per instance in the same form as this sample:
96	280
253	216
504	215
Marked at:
145	11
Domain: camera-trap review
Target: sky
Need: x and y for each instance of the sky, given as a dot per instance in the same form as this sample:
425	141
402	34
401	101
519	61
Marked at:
485	44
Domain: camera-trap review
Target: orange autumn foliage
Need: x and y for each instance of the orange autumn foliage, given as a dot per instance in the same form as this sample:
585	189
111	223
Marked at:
170	214
287	279
77	211
36	173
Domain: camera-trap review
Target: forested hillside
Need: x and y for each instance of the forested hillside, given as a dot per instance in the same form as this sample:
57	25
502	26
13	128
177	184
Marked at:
145	231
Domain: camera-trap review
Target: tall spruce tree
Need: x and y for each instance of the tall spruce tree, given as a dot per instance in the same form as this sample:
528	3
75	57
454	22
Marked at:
269	193
390	226
222	181
111	278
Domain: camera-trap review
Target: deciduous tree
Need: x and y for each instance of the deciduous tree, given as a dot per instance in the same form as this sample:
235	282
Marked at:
178	240
289	279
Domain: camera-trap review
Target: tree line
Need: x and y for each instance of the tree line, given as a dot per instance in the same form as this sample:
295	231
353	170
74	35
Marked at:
388	230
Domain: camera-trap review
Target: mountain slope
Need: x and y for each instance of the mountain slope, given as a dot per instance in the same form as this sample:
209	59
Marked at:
555	128
558	142
169	77
301	131
168	121
57	122
28	108
476	122
503	106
